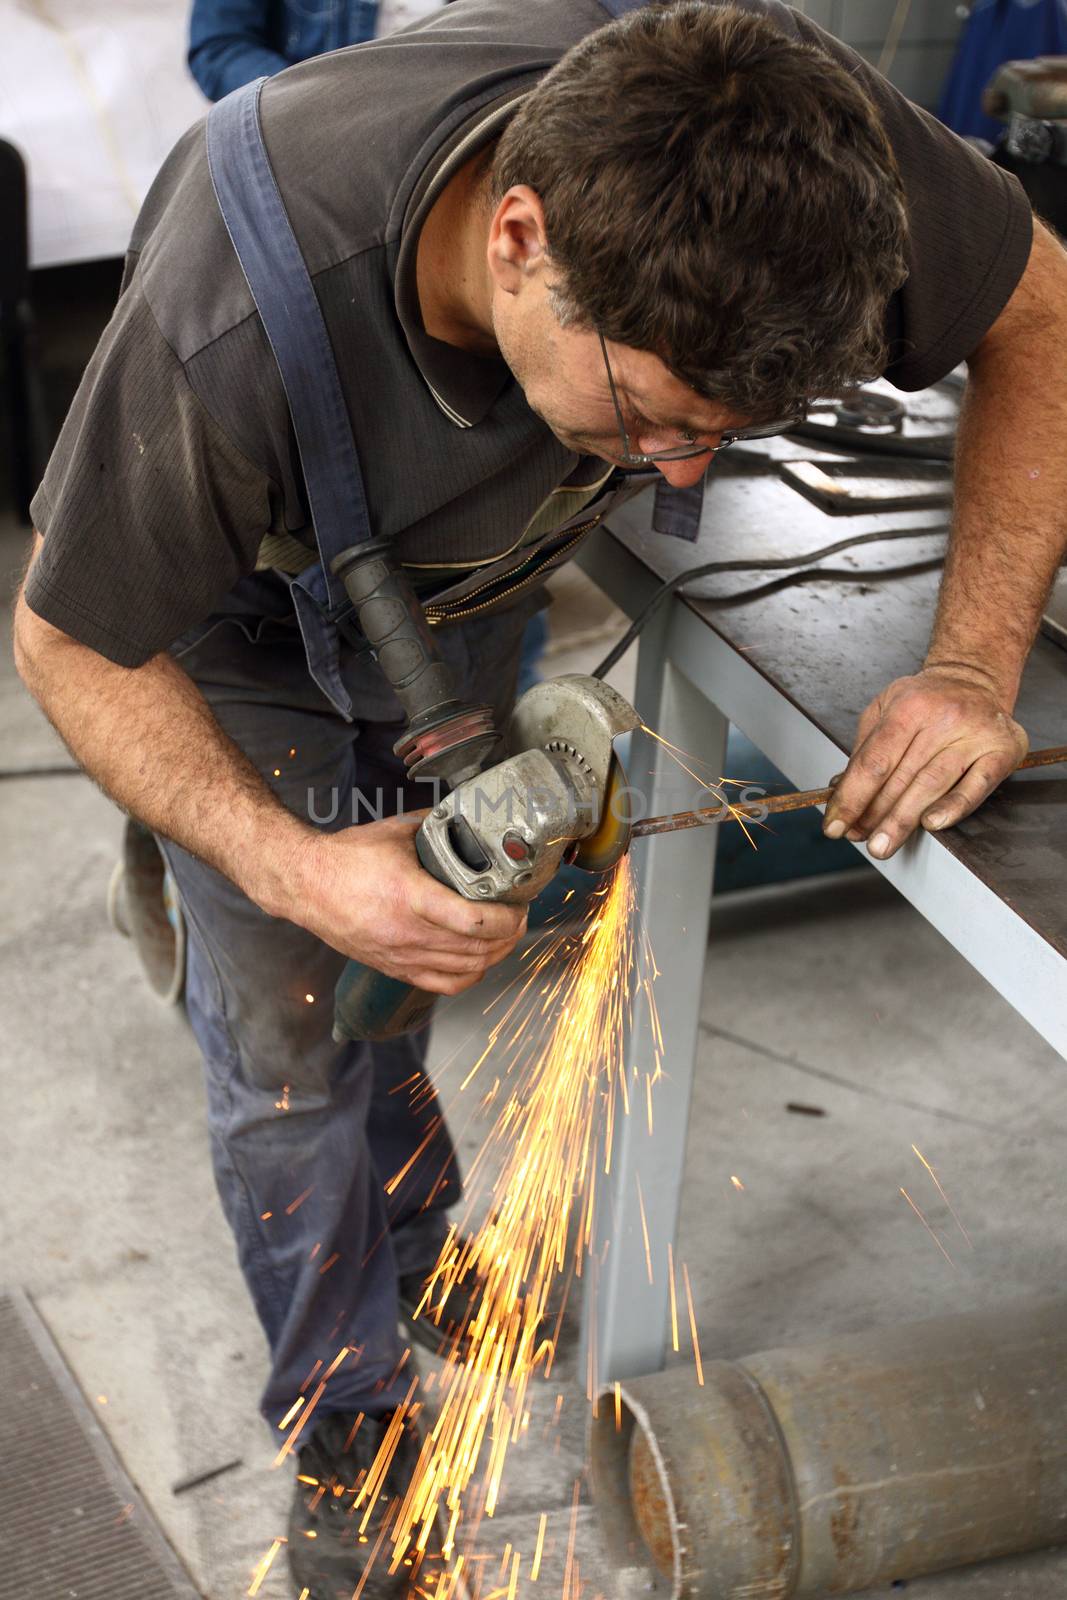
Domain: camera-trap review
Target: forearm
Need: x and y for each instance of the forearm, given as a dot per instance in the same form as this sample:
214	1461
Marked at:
149	740
1010	524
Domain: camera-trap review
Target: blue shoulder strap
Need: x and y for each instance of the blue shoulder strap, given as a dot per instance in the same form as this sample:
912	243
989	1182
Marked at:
262	235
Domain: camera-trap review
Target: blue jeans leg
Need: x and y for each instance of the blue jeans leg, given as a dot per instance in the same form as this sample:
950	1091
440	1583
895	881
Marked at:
306	1133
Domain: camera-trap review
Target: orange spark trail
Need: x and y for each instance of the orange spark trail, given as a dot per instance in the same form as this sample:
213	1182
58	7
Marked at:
928	1228
558	1050
644	1229
674	1298
535	1570
677	755
693	1326
944	1196
264	1566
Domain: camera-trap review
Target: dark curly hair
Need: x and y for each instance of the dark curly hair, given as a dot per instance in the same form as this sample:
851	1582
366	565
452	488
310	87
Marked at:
719	194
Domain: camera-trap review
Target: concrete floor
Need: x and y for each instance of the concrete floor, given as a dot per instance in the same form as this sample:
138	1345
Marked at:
831	992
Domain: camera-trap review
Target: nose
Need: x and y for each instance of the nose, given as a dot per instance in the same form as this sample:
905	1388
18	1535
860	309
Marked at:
682	474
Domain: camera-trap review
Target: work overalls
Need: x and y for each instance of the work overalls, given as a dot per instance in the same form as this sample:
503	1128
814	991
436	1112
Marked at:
305	1132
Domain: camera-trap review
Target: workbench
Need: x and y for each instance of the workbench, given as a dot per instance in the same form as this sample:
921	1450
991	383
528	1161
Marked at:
793	665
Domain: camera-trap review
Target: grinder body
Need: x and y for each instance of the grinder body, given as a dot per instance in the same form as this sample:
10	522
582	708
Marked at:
502	834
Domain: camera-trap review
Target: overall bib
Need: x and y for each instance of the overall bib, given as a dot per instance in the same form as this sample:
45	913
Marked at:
305	1133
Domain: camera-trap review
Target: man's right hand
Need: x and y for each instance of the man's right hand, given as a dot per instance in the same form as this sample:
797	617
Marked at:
148	737
364	892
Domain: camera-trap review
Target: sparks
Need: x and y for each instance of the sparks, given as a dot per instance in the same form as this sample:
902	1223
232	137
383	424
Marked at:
928	1228
644	1230
944	1196
742	818
264	1565
693	1325
535	1570
736	1181
291	1413
674	1297
563	1087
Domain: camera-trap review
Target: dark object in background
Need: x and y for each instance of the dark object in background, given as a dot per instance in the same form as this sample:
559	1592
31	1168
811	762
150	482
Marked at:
185	1484
1030	98
143	905
18	341
997	31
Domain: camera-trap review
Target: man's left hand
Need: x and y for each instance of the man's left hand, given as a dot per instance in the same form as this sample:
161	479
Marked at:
929	750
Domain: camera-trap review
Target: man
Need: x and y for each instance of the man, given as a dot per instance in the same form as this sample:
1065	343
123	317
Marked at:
699	218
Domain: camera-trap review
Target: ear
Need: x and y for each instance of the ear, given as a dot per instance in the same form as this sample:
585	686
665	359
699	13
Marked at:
517	247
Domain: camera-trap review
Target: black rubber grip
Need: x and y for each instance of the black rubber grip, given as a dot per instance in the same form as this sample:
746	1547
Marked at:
394	625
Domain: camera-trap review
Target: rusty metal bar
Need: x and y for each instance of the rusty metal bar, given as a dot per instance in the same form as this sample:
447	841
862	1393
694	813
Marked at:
799	1474
798	801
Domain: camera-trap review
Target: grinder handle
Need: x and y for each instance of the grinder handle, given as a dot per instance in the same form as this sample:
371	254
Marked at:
394	625
368	1005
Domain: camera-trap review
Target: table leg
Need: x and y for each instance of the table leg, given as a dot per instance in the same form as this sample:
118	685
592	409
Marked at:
627	1317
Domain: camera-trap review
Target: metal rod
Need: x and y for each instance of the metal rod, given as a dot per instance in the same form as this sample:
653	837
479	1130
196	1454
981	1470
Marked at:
798	801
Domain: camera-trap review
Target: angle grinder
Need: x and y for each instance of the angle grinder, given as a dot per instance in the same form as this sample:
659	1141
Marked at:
503	830
502	834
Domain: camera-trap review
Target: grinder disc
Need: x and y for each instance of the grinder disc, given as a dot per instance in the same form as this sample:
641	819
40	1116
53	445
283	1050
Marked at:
611	839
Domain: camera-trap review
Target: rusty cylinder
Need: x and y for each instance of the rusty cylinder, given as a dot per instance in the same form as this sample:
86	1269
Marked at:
797	1474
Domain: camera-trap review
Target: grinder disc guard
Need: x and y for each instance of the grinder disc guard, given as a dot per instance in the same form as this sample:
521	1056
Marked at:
604	848
581	717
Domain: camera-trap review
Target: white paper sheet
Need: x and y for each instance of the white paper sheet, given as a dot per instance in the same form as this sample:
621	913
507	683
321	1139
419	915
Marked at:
94	93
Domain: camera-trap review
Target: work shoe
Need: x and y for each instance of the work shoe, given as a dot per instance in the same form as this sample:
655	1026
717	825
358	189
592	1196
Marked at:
332	1540
440	1334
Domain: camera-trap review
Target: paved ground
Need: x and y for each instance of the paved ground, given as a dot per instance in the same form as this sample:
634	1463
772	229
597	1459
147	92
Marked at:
832	992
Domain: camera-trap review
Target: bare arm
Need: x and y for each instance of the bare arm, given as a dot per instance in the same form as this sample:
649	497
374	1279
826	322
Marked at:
933	746
147	736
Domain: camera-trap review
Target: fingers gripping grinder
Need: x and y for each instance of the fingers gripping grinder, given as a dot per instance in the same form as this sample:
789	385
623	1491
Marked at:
503	830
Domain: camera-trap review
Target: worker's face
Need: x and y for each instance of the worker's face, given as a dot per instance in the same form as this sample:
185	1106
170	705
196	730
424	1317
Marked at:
562	370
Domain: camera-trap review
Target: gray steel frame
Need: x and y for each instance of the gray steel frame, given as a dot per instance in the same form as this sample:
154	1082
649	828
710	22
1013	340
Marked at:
690	685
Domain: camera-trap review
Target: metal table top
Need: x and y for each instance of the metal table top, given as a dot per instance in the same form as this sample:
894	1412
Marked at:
829	645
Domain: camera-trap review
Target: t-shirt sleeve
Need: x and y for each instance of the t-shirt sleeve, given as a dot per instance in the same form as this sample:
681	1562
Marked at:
970	229
150	513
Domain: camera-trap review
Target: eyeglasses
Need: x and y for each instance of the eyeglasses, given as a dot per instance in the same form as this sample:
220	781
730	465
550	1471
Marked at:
685	452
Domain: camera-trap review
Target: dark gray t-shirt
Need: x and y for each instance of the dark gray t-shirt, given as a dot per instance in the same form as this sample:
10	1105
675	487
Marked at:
177	458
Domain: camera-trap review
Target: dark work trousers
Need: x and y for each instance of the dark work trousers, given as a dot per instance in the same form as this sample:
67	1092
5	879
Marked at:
305	1133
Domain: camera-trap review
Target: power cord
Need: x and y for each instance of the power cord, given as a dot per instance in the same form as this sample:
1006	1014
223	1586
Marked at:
770	564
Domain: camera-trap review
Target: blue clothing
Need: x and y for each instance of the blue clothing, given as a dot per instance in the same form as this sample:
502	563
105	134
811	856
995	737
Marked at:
233	41
998	31
306	1132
